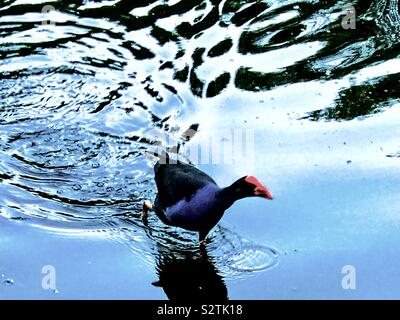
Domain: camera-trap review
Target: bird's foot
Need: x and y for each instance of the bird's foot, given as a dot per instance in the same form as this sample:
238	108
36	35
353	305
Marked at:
147	205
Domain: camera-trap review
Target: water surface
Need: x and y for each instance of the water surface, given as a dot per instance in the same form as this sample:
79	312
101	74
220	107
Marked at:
89	88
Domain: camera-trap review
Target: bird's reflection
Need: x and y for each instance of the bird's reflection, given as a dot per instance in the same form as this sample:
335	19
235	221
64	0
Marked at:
188	276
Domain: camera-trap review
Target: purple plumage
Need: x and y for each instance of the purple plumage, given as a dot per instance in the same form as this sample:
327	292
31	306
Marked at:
190	199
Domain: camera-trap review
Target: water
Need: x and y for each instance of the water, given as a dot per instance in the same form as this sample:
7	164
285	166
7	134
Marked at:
87	88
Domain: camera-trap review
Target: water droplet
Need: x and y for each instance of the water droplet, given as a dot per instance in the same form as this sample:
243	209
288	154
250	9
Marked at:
8	282
348	161
55	291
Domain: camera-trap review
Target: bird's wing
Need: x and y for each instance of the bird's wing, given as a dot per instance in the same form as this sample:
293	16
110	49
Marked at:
178	181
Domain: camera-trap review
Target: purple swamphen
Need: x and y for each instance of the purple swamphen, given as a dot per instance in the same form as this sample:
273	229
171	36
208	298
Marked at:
190	199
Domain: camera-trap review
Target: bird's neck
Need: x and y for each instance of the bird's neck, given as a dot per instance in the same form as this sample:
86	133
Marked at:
227	196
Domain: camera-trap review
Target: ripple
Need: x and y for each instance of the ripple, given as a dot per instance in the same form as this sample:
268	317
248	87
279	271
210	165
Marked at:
234	256
252	257
8	282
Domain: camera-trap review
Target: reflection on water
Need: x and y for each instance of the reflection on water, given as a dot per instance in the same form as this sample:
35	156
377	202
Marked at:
189	273
231	256
361	100
88	88
190	278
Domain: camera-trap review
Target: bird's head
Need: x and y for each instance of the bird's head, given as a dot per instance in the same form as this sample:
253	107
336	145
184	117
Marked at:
257	188
250	186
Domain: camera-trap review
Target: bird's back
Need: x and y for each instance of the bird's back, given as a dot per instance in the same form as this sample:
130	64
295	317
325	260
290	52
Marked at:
178	181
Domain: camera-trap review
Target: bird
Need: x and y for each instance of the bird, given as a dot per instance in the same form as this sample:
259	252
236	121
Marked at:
190	199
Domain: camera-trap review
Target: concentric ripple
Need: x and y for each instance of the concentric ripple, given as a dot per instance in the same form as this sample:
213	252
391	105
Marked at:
251	258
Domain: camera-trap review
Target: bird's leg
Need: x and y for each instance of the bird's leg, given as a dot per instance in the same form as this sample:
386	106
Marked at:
202	238
147	205
203	253
202	243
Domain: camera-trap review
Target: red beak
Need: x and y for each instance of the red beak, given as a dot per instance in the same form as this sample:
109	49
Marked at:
260	190
267	194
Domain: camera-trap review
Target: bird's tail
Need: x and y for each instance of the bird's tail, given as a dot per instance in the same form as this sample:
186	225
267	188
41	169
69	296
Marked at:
163	156
170	155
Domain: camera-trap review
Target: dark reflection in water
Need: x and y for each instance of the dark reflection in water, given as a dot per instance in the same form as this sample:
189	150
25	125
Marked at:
268	27
361	100
189	277
187	272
